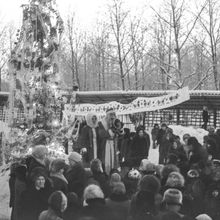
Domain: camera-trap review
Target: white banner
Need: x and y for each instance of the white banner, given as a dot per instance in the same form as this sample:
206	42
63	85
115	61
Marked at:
141	104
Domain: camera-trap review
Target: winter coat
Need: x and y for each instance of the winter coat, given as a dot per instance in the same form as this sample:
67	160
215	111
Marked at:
98	210
125	148
20	187
59	183
119	204
139	149
49	215
72	212
86	141
154	133
34	202
212	200
142	206
160	136
199	156
76	177
102	179
205	116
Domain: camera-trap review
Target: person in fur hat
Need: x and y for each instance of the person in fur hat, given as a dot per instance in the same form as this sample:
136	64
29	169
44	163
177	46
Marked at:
172	200
34	198
88	139
57	205
143	202
59	181
176	180
96	207
118	201
76	175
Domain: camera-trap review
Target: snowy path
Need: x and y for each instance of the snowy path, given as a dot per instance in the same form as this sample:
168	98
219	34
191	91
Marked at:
4	196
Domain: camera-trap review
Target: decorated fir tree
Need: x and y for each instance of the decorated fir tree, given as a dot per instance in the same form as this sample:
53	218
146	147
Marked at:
34	64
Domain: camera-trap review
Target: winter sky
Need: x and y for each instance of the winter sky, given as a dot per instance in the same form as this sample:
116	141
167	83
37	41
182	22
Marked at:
87	11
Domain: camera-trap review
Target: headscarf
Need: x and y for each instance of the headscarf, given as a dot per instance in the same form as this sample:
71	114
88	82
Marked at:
89	120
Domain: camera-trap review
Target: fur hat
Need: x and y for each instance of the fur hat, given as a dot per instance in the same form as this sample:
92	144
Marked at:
57	164
119	188
56	199
36	172
39	151
175	179
169	168
93	192
76	157
149	183
173	197
203	217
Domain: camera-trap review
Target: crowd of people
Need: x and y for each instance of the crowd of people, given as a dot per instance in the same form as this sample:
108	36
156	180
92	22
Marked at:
119	182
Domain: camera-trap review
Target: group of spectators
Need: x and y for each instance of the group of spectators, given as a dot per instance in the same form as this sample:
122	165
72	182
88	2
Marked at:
185	184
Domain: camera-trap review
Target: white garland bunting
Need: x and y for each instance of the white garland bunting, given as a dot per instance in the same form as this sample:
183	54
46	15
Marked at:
141	104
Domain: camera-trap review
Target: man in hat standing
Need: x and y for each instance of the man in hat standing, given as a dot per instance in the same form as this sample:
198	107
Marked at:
107	143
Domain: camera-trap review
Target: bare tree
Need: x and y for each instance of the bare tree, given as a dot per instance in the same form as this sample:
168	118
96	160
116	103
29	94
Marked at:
118	24
181	27
211	24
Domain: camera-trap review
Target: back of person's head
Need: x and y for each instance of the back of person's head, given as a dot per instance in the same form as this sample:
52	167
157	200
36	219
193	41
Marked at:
73	200
193	141
147	167
57	165
149	183
173	197
119	189
114	178
96	165
93	192
58	201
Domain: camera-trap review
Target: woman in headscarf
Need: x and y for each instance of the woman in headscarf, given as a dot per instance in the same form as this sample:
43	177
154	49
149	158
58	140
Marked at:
88	137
